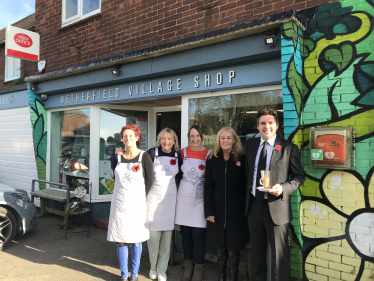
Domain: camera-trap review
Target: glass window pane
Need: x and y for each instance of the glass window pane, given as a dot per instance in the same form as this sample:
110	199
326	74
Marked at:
12	68
17	67
70	147
71	8
111	123
90	5
238	111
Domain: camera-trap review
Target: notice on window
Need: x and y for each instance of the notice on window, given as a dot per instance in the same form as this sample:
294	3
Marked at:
143	126
108	183
105	169
109	150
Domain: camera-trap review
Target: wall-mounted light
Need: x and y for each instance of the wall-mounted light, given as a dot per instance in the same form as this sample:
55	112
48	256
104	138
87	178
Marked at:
115	70
249	112
270	40
158	113
34	87
44	97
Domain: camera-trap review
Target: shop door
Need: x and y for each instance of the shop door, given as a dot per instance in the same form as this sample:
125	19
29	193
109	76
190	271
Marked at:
170	119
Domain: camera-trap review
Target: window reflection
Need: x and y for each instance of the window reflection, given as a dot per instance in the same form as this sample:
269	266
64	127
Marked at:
238	111
70	147
111	123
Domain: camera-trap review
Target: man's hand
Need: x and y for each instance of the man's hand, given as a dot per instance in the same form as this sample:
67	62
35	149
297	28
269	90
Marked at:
211	219
119	151
276	190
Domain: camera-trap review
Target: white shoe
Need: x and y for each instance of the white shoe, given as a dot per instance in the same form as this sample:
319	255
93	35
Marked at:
153	274
162	277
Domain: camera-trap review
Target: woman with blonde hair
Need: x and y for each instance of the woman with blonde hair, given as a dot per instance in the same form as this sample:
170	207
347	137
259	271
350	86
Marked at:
161	200
224	201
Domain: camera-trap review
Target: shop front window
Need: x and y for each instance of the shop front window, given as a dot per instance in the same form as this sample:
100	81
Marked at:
70	147
238	111
111	123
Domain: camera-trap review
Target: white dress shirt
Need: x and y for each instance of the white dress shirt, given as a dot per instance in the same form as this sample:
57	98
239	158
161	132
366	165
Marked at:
269	152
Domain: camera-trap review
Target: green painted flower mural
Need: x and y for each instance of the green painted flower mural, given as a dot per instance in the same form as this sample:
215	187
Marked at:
38	116
328	80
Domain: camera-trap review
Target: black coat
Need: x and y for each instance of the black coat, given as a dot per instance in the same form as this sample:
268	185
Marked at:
224	198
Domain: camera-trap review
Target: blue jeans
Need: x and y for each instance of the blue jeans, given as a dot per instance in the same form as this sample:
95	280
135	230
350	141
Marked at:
123	253
194	239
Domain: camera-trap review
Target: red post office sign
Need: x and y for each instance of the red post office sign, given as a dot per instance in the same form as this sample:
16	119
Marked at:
22	43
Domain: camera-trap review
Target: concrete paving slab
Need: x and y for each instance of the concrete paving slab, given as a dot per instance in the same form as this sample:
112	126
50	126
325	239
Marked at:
45	254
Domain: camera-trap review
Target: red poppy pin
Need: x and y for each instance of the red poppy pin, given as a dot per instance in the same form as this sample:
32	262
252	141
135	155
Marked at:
135	168
173	162
201	167
238	163
277	148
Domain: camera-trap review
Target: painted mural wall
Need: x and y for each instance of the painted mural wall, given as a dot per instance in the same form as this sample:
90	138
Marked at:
328	80
38	116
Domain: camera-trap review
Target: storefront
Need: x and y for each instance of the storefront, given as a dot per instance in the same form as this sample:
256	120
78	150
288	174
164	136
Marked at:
86	112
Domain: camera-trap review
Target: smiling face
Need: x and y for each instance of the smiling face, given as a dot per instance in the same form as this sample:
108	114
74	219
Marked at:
129	139
267	126
226	141
167	141
195	138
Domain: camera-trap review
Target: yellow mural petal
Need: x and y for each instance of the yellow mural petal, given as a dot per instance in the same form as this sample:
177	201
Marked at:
302	136
323	43
319	221
332	261
344	191
371	191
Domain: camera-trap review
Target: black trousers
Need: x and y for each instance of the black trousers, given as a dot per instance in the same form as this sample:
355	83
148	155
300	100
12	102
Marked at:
263	230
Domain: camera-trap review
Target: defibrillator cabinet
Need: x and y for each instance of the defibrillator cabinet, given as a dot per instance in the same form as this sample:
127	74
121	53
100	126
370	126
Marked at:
331	147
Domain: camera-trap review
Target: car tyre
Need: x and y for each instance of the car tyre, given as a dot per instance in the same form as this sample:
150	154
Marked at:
8	227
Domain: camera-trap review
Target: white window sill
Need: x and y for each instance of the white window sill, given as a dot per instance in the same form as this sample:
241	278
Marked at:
85	17
11	79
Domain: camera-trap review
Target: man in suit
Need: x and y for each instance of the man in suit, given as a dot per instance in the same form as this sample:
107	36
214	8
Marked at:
269	213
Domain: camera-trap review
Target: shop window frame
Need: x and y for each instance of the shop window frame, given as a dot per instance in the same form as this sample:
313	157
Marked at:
94	143
186	98
79	17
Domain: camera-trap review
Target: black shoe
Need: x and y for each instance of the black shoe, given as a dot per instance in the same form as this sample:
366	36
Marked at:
222	263
133	278
234	257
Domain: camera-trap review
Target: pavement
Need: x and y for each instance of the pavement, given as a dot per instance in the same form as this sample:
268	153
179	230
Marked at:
45	254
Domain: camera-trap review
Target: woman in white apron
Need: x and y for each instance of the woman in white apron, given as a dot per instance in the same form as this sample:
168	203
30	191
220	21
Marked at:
128	213
190	205
161	201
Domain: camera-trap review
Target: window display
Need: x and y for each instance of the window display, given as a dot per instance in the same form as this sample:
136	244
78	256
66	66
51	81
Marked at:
111	123
238	111
70	147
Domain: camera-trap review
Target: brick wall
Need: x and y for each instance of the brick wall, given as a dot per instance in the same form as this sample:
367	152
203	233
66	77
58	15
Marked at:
126	26
328	80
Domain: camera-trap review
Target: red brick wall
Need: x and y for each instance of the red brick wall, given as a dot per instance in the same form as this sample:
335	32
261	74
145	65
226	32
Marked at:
28	68
126	26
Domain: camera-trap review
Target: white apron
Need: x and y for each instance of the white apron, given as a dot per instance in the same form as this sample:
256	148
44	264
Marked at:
128	210
162	197
190	199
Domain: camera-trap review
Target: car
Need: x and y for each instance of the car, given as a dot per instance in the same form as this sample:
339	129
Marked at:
16	214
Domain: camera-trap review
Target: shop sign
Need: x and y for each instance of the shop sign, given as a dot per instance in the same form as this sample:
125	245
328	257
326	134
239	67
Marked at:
14	100
22	43
162	86
256	74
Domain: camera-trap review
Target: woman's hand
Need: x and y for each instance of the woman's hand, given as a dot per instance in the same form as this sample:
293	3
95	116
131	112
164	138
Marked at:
211	219
119	151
